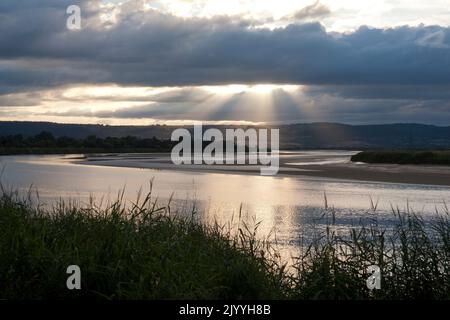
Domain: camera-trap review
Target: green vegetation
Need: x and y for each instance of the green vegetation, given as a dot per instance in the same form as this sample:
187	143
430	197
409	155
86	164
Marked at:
149	252
404	157
46	143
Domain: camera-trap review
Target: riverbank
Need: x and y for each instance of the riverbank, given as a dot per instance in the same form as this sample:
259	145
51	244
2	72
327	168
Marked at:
68	151
149	252
336	166
431	157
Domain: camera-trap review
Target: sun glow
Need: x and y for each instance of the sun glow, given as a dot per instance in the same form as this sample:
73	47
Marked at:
234	103
262	89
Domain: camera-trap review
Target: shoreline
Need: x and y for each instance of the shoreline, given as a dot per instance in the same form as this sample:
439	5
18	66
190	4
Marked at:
344	170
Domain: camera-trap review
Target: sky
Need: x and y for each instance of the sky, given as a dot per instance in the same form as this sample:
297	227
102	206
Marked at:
235	61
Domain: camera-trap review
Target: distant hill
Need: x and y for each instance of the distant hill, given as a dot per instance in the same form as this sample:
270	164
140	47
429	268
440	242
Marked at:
83	130
331	135
293	136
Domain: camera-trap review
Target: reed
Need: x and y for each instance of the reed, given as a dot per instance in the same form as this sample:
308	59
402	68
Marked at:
148	251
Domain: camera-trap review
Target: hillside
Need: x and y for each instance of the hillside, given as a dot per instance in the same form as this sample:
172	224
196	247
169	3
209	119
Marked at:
294	136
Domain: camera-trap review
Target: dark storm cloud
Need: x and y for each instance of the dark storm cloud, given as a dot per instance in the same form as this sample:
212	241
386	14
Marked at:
18	76
379	75
155	49
391	92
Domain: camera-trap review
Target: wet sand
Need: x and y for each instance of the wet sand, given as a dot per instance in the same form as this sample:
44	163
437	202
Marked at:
411	174
335	165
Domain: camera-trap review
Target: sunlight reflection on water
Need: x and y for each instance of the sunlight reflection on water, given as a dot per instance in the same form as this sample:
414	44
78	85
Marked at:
286	206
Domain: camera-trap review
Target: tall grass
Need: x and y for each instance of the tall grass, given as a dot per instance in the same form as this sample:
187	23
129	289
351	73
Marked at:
146	251
413	255
137	252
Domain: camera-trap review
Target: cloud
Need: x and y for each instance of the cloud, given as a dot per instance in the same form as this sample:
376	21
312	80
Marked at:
388	92
315	10
353	75
22	99
434	39
146	47
304	104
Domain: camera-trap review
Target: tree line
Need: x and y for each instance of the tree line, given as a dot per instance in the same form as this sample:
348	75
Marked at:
46	141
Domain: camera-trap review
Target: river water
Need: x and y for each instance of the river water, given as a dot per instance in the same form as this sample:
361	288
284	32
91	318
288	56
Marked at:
286	206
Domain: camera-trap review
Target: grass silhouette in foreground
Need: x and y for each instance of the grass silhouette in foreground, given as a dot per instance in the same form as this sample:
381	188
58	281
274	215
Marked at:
404	157
147	252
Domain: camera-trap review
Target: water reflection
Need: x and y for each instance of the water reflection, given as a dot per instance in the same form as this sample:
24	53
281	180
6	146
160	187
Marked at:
289	207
